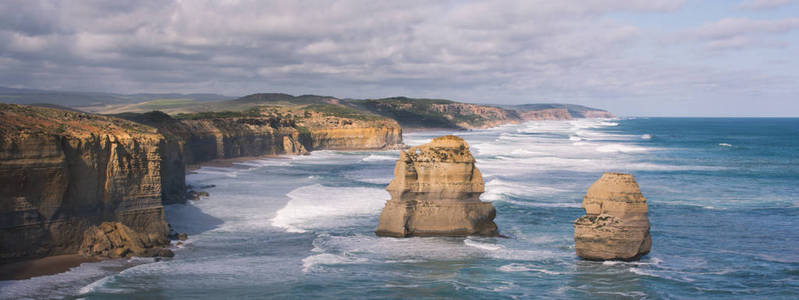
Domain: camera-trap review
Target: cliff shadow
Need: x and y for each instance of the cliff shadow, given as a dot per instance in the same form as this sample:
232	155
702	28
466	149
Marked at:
190	219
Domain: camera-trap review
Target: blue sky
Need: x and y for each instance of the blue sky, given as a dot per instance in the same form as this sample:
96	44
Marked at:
634	58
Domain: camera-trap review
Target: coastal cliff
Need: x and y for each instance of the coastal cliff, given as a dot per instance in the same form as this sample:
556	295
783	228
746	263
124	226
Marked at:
262	131
214	138
410	113
556	111
335	133
436	192
63	172
439	113
201	137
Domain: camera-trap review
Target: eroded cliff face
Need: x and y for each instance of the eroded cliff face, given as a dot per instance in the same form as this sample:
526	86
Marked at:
335	133
436	192
546	114
63	172
597	114
208	138
472	116
201	138
237	137
615	224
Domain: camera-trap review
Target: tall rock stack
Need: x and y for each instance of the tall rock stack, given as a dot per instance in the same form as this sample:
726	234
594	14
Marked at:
436	192
615	224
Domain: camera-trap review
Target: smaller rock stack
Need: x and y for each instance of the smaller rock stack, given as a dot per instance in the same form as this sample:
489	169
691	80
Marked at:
436	192
615	224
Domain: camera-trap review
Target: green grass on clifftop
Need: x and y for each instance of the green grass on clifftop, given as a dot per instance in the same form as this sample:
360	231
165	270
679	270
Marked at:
337	110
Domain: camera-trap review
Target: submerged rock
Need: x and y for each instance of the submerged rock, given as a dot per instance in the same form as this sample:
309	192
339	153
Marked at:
436	192
616	225
115	240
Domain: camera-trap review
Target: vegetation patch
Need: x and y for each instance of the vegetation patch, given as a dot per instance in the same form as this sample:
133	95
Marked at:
342	111
249	113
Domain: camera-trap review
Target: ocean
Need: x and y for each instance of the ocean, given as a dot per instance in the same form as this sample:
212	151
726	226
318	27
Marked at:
722	195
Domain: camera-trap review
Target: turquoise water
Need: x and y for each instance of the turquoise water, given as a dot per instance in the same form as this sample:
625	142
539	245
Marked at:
722	195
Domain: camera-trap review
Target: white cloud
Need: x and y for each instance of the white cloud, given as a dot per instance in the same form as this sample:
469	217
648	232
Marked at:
736	33
763	4
487	51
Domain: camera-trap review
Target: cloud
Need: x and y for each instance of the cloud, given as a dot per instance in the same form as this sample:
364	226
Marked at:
287	42
736	33
497	51
763	4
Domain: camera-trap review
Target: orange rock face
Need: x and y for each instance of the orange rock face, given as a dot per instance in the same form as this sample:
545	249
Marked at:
616	225
436	192
62	172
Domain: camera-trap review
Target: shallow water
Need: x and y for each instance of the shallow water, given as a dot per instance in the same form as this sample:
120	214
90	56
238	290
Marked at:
721	192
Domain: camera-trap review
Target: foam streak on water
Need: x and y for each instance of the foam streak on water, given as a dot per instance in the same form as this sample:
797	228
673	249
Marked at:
721	193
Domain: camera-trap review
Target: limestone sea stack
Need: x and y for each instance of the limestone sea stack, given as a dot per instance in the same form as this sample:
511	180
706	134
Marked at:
436	192
615	224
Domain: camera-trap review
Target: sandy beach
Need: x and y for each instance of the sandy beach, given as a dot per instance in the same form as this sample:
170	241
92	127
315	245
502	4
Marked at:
41	266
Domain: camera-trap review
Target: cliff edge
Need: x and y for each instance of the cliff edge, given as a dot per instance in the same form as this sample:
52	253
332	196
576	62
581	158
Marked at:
63	172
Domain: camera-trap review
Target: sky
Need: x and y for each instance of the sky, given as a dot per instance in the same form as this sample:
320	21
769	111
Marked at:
634	58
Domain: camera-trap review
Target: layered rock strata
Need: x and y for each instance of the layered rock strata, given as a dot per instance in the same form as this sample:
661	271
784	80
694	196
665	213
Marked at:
201	139
62	172
436	192
616	225
334	133
115	240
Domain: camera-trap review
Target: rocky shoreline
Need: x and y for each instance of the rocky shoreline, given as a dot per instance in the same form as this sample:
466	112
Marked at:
66	172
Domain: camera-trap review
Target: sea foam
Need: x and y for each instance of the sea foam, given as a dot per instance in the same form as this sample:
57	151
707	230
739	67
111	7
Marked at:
482	246
316	206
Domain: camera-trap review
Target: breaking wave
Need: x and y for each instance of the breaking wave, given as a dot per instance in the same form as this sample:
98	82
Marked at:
317	206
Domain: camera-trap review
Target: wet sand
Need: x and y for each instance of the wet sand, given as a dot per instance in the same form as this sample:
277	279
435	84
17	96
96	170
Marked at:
41	266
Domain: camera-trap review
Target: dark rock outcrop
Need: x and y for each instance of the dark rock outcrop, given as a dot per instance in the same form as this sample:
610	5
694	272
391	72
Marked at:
436	192
616	225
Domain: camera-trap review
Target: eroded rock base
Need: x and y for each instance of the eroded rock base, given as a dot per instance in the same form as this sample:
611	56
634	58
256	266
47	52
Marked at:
115	240
605	237
616	223
427	218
